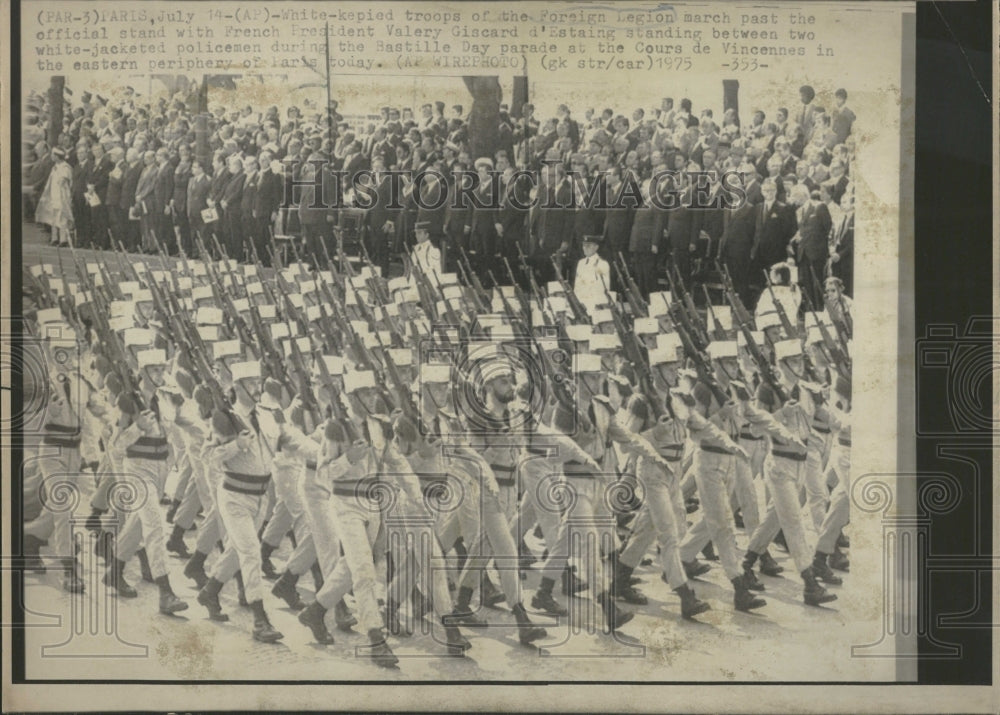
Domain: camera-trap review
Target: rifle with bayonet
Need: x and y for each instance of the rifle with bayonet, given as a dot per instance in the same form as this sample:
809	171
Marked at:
785	322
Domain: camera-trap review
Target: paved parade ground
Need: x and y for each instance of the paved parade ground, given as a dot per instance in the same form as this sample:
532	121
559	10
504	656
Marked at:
784	641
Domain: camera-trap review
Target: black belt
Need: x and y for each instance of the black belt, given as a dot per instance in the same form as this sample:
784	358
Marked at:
716	450
311	465
821	430
747	435
844	442
577	470
543	451
249	478
66	429
149	456
794	456
58	441
350	489
241	490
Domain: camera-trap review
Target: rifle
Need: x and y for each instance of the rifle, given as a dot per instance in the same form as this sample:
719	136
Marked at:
579	312
719	331
336	407
472	279
740	313
408	406
518	292
221	297
693	322
767	373
785	322
845	327
840	360
631	289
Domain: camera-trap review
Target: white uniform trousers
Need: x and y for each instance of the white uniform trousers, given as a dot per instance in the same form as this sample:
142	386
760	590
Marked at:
784	511
242	515
714	475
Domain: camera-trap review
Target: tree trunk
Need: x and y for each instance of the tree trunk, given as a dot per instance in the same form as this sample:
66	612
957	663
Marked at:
484	117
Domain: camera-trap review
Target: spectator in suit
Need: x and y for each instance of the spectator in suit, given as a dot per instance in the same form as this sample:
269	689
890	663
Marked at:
163	192
97	186
480	222
841	263
312	215
551	221
267	201
145	201
247	200
232	218
735	246
81	212
180	239
379	223
843	117
117	217
644	241
774	226
196	201
812	242
136	165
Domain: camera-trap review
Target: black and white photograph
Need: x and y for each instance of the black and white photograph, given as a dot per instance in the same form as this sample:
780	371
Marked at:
458	343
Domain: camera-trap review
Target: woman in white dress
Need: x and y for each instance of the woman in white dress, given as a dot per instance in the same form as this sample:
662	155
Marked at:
55	203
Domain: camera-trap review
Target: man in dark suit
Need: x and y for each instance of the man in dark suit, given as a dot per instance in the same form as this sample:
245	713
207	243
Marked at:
812	244
81	212
267	201
117	218
232	219
198	188
379	223
645	241
617	218
842	258
774	226
456	211
735	246
683	231
163	191
512	222
586	217
97	185
247	200
551	221
130	183
480	222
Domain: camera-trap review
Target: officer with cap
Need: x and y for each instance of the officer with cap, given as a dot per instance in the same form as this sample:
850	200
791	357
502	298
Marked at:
426	255
593	273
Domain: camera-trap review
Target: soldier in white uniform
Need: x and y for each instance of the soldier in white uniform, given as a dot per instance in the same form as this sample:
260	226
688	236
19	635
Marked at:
593	273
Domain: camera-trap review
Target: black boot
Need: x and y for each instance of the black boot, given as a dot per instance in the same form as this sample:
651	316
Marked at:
147	575
621	586
267	569
614	617
544	602
317	574
691	605
768	566
709	552
380	651
491	595
169	603
241	593
392	622
342	617
114	577
208	596
750	579
528	632
172	511
823	572
420	604
571	583
284	588
457	643
527	558
695	568
176	543
32	546
72	582
314	617
814	594
843	542
194	569
104	546
93	522
463	615
744	600
263	631
839	561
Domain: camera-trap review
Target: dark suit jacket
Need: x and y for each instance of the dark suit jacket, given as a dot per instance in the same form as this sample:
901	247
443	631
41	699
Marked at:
129	185
113	197
249	196
773	230
551	222
647	229
97	175
514	220
163	189
380	212
268	196
218	185
431	196
815	233
233	192
738	236
197	197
